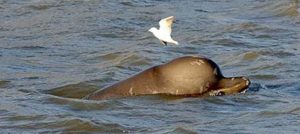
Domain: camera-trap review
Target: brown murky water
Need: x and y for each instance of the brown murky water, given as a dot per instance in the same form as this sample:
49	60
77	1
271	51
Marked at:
56	51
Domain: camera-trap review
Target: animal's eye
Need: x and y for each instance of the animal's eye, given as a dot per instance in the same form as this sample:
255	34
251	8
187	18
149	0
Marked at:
221	93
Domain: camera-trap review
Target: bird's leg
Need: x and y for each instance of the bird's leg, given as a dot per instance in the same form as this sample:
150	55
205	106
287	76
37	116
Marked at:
163	42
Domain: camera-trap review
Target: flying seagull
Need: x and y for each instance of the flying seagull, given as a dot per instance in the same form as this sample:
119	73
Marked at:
164	31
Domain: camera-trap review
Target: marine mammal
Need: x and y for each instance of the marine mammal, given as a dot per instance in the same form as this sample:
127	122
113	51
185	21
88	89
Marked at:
188	76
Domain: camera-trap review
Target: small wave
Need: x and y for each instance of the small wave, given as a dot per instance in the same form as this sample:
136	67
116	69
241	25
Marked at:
279	54
251	56
140	3
288	9
3	83
39	7
279	8
265	76
201	10
67	125
42	5
255	87
27	118
120	59
184	130
228	42
30	47
279	112
118	32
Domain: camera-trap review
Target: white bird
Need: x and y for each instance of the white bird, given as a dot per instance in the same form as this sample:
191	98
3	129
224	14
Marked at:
164	32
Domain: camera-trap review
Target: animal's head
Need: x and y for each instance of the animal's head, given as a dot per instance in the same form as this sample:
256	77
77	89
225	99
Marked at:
228	86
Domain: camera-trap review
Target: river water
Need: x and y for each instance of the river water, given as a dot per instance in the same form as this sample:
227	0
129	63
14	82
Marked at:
54	52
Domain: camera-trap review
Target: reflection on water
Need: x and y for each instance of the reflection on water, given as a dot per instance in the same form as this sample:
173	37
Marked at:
52	53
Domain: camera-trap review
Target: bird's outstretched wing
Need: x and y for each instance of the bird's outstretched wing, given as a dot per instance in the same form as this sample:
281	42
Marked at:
165	25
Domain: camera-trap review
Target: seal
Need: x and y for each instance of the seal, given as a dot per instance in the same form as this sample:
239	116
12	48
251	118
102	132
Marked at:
186	76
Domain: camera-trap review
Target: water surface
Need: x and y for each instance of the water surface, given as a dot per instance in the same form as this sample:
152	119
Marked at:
54	52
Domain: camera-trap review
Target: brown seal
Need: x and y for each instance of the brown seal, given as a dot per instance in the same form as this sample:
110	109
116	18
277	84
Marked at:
188	76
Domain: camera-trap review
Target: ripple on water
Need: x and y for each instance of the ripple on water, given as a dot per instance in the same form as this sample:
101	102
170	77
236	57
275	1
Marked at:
276	53
27	118
251	55
262	10
142	3
69	125
272	114
228	42
120	59
265	76
30	47
43	5
3	83
286	9
179	129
